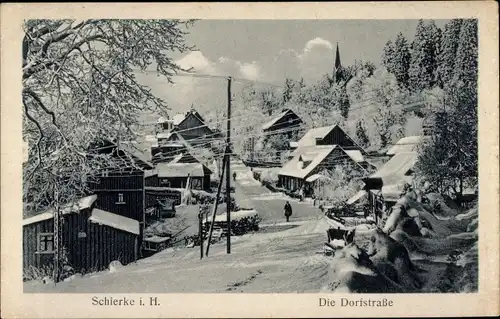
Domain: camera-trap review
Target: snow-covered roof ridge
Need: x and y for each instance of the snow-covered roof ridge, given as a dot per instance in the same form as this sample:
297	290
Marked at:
180	169
278	117
398	165
314	155
115	221
83	203
406	144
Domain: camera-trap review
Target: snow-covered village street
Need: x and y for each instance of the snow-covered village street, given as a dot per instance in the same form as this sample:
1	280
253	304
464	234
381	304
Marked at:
280	258
152	165
259	262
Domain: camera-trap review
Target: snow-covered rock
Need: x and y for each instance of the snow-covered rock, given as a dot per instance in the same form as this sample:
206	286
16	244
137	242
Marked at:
115	265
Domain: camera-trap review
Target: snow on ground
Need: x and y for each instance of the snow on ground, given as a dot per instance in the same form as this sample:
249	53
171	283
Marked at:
283	257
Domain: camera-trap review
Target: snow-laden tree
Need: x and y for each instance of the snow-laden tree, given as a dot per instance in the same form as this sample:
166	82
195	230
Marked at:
388	56
450	158
386	103
401	60
449	45
423	63
79	87
361	135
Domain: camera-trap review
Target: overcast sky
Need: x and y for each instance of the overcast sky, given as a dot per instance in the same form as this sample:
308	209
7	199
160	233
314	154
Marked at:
270	51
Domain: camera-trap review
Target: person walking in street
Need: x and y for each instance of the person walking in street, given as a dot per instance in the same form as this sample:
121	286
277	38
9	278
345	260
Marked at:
234	176
288	211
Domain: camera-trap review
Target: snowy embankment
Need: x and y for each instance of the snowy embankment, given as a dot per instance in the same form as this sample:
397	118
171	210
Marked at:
234	215
416	251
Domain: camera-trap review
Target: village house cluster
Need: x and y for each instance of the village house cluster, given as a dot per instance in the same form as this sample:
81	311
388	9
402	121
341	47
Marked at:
109	224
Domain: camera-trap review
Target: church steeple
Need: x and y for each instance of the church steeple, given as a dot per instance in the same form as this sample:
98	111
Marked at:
337	69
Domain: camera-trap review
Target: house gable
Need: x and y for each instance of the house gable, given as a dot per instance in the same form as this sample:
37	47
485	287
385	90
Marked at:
192	126
286	119
338	136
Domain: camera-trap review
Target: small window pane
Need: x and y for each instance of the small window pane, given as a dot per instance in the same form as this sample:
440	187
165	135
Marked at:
50	245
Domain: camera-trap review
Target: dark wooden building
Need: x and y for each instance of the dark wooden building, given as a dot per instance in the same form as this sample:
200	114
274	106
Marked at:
287	124
191	126
121	189
329	135
170	144
322	148
303	169
91	237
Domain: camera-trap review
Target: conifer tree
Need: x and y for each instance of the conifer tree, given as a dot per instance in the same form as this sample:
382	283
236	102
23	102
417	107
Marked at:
401	60
446	58
361	134
342	101
388	56
423	63
434	46
288	91
450	158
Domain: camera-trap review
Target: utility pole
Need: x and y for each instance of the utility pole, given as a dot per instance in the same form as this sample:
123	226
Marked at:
216	204
57	231
200	230
228	166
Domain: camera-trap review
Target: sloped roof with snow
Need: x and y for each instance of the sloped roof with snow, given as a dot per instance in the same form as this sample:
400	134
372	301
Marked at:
316	177
140	157
296	166
406	144
355	155
275	119
399	165
166	170
83	203
115	221
309	139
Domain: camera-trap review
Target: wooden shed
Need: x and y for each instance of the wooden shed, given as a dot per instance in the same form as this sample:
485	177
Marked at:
92	237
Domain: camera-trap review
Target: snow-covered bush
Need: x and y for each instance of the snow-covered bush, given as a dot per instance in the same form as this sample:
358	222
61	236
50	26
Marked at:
340	184
246	224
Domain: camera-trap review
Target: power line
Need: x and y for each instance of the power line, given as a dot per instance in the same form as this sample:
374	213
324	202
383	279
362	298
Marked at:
214	76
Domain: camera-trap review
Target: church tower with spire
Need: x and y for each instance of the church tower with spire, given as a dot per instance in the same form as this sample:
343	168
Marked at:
337	69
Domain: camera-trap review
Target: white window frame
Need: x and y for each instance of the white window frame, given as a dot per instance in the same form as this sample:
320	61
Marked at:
38	241
120	200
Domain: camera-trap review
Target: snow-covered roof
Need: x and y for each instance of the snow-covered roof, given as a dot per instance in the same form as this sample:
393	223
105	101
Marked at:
177	158
132	148
397	166
149	173
356	197
83	203
315	177
355	155
116	221
296	166
275	119
179	170
309	139
406	144
157	239
294	144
